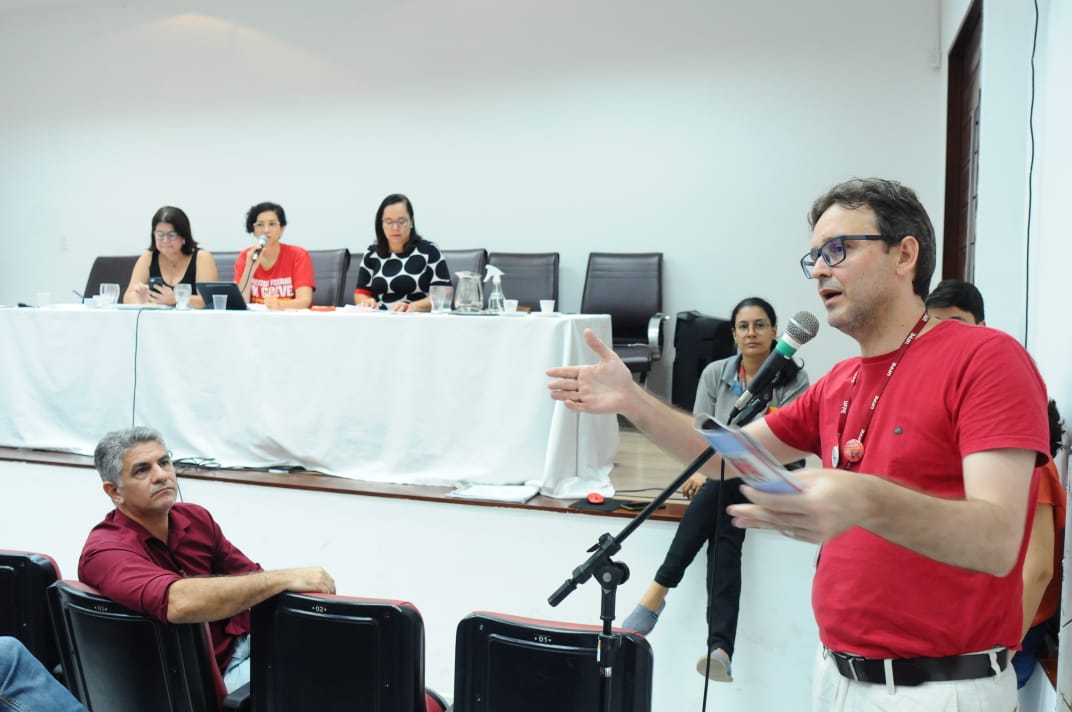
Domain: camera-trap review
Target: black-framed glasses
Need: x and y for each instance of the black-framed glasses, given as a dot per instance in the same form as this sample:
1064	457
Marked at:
169	236
832	251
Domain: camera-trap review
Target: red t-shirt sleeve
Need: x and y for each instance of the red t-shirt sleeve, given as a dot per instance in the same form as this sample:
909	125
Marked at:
240	264
796	422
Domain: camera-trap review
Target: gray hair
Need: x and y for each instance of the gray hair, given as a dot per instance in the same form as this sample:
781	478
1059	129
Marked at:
113	447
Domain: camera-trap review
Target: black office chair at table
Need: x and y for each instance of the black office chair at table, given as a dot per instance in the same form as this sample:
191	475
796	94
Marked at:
473	260
528	276
334	653
109	269
629	287
117	660
225	265
24	578
505	663
329	268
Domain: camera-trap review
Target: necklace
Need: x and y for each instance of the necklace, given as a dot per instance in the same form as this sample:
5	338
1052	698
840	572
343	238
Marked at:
854	447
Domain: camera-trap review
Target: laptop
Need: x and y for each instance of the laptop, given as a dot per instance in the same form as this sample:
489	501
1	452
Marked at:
234	297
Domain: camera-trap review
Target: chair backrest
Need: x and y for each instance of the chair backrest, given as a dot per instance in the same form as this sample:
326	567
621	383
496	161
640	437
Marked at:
528	276
629	287
473	260
329	268
324	652
509	664
225	265
351	279
115	269
116	660
24	579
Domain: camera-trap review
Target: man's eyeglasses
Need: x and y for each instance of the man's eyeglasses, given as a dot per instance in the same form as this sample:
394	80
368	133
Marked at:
169	236
832	251
401	223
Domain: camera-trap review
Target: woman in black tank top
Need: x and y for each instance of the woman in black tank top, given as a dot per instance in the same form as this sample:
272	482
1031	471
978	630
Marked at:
173	258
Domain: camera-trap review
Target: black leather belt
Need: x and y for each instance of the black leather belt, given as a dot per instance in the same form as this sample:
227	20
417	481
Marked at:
916	671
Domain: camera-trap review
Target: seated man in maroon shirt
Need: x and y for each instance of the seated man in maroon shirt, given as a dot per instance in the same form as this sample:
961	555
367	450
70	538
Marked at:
170	560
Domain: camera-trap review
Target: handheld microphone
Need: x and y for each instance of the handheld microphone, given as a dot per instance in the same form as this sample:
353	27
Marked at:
801	329
261	242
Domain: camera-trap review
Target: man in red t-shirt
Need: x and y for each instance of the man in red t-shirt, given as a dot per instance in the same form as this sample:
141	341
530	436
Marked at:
928	441
170	560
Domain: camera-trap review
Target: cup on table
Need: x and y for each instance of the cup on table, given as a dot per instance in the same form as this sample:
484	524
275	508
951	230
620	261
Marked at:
510	305
44	299
440	294
182	296
219	301
547	306
109	293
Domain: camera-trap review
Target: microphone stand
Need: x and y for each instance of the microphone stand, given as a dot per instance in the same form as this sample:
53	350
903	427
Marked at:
610	574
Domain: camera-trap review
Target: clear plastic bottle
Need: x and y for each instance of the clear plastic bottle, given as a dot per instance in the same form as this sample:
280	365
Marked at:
496	298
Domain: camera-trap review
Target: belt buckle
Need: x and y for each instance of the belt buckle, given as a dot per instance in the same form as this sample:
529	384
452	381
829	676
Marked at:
853	659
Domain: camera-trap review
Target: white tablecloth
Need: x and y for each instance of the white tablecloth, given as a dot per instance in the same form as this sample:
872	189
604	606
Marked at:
404	398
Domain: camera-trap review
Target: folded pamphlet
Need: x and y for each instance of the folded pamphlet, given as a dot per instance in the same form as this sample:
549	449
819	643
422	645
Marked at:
497	493
756	466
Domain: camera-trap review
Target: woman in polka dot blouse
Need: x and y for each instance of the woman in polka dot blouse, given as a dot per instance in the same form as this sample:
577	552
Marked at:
398	269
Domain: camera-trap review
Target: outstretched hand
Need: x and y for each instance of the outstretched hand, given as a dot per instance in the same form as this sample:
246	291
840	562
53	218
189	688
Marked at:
603	387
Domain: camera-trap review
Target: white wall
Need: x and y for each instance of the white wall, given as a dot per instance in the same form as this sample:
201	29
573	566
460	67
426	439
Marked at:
700	128
493	559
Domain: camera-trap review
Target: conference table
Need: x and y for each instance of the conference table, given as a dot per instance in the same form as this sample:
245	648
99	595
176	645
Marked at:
433	399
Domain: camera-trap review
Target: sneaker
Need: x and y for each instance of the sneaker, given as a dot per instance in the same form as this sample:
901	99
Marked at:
643	619
720	666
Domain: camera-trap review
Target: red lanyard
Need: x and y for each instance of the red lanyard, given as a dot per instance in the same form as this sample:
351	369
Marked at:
854	448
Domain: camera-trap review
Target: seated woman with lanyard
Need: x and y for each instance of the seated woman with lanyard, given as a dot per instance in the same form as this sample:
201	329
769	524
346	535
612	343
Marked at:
173	258
271	273
755	328
400	266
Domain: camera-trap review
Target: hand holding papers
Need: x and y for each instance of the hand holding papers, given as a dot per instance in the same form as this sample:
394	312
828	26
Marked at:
756	466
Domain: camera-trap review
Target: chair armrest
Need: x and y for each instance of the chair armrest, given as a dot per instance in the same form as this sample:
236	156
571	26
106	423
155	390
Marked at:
655	334
238	700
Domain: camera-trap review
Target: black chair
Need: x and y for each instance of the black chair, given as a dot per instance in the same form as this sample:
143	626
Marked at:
24	579
629	287
528	276
473	260
116	660
699	339
509	664
115	269
326	653
329	269
225	265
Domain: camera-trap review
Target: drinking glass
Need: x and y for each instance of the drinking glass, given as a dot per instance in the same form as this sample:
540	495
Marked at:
109	292
547	306
219	301
440	295
182	296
